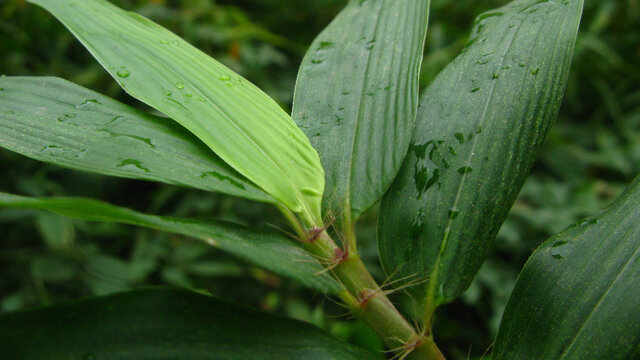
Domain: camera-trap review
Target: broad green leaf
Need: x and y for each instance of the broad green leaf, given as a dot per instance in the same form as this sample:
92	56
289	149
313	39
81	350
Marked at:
357	94
159	323
270	250
479	128
53	120
578	296
240	123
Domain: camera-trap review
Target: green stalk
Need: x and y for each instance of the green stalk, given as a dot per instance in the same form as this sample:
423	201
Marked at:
369	303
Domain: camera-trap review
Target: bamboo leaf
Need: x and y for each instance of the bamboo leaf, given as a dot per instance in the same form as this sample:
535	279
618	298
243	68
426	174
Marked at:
270	250
159	323
55	121
240	123
357	94
578	296
480	126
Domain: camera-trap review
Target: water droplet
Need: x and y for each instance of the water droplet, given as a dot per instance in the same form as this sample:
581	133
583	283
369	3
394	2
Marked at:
417	226
535	71
224	77
459	137
475	89
506	67
559	243
423	181
495	76
465	169
88	102
345	92
123	73
51	149
128	163
221	177
188	95
180	85
489	14
522	64
452	151
135	137
163	42
557	256
110	122
168	93
176	103
370	45
453	213
325	45
316	61
89	357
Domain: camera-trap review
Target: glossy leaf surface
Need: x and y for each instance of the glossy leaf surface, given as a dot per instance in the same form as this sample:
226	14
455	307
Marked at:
240	123
357	94
480	126
163	324
55	121
270	250
578	296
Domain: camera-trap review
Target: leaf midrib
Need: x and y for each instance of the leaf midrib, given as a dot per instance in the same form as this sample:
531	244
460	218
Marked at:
444	239
363	89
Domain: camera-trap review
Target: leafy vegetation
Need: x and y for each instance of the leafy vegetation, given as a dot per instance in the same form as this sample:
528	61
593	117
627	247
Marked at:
590	155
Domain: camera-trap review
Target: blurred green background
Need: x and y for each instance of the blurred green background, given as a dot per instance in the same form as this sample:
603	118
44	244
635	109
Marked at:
593	151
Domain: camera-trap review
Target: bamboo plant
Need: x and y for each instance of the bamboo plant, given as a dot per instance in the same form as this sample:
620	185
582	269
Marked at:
446	164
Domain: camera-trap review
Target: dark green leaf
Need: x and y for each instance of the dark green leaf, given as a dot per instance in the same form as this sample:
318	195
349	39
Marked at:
166	324
578	296
478	131
270	250
53	120
241	124
357	94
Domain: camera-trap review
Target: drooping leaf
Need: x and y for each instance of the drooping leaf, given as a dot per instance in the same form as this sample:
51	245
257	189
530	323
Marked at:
480	126
578	296
240	123
270	250
357	94
163	324
53	120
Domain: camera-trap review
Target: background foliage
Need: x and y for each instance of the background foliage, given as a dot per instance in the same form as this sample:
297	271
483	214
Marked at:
592	152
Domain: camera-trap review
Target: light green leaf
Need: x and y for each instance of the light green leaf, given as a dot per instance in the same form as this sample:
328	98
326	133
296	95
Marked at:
163	324
240	123
270	250
55	121
578	296
480	126
357	94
